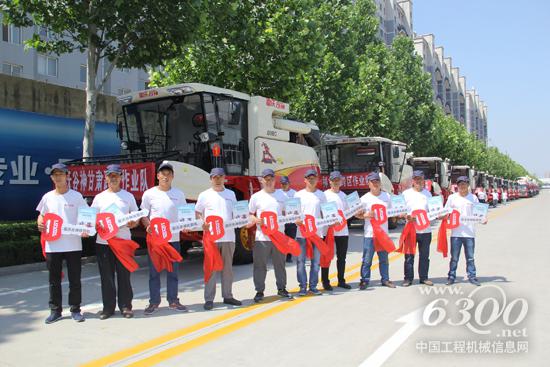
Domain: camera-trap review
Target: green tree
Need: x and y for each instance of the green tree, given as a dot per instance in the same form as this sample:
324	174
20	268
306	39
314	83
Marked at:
128	33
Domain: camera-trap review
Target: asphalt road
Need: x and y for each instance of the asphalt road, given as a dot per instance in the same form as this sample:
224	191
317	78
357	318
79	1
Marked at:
504	322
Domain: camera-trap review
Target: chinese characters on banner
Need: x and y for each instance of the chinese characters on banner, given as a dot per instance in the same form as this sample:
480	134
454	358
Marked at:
90	180
23	171
350	181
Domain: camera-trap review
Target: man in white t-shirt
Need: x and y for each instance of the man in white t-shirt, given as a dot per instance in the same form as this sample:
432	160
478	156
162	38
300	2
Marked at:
114	200
463	235
311	199
219	201
272	200
65	203
417	198
290	228
495	198
340	237
374	196
162	201
504	196
481	195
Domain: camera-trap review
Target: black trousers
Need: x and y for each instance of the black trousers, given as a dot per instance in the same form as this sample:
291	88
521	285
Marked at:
341	243
54	261
109	265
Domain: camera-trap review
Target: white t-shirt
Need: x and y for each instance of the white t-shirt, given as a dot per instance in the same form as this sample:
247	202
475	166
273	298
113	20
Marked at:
124	201
418	200
220	203
290	193
311	204
481	195
495	195
341	203
267	202
368	201
163	204
66	206
504	195
464	205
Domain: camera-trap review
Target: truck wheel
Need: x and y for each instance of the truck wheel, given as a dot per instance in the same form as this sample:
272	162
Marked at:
392	223
244	240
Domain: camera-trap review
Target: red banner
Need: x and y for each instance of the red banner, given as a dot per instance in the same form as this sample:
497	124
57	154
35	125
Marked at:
350	181
90	180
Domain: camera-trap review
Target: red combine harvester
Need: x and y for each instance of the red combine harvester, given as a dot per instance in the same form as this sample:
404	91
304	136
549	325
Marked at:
437	172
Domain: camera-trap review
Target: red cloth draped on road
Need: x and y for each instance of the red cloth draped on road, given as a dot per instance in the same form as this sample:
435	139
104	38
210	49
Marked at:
329	240
270	228
407	240
382	242
162	254
212	258
309	231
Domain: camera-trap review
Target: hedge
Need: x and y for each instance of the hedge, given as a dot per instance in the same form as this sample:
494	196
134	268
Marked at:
20	244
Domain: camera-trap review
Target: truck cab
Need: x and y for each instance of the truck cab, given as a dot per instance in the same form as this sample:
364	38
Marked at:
457	171
437	172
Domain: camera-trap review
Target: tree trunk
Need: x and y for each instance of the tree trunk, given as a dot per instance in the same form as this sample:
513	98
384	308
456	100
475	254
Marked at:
91	99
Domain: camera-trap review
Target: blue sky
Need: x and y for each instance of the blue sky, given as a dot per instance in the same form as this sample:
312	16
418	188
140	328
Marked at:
503	49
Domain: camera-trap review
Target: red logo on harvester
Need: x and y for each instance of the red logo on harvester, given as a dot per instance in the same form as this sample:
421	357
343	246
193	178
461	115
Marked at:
267	157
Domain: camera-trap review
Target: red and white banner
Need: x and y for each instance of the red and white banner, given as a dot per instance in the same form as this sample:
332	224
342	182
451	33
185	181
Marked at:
90	180
350	181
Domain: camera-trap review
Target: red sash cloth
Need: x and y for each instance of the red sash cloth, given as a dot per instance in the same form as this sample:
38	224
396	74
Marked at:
309	231
329	240
124	251
382	242
407	240
212	258
442	244
283	243
162	253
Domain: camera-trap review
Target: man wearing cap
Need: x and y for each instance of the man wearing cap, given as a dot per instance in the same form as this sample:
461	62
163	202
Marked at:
162	201
311	199
374	196
290	228
340	237
219	201
112	200
417	198
481	195
64	202
268	199
463	235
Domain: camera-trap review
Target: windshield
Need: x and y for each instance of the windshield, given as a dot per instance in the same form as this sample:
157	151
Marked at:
349	158
457	172
429	168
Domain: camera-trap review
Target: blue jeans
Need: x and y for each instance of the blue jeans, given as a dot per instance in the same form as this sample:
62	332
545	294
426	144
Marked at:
301	266
171	281
423	240
368	253
469	246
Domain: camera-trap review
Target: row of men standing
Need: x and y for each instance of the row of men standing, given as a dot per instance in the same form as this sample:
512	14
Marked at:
162	201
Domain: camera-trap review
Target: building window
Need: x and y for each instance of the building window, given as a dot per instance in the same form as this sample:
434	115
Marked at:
83	72
47	65
124	70
43	32
11	34
12	69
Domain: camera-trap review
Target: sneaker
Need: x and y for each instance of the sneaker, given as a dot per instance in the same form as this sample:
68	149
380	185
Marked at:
315	291
232	302
54	316
77	316
302	292
344	285
177	306
259	297
427	282
474	281
283	293
150	309
388	283
450	281
406	283
208	305
363	285
327	287
104	315
127	313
